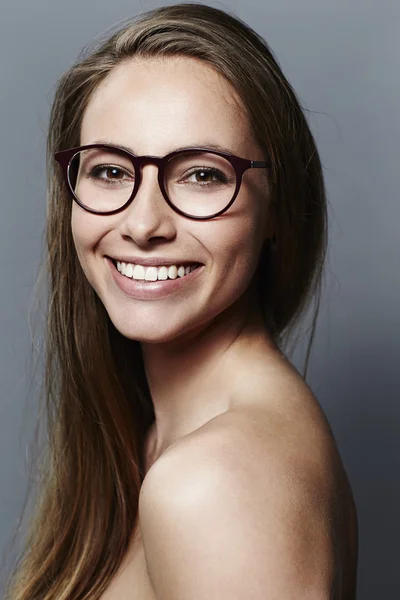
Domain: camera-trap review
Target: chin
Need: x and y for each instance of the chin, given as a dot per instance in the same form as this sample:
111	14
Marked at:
142	330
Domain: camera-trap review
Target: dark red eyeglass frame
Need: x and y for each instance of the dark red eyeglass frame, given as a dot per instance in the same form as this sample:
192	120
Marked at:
64	158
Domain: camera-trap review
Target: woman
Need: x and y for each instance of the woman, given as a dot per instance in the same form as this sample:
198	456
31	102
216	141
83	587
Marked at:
186	235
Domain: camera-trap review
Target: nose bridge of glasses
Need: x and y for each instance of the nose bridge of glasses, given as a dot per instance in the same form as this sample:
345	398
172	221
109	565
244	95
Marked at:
143	161
155	180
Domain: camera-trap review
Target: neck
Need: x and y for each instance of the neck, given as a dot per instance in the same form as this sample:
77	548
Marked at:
192	379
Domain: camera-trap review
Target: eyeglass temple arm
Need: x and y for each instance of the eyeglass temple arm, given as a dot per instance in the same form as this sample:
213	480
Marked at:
258	164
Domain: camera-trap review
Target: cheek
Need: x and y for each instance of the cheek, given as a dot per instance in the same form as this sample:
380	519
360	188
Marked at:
236	247
79	235
86	233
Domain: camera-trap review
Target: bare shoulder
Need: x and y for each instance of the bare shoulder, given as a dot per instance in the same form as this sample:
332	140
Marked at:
255	487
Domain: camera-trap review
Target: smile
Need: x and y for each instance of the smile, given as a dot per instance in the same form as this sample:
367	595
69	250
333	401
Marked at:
154	287
142	273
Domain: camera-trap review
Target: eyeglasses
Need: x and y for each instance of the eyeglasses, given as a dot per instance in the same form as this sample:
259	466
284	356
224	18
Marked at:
197	183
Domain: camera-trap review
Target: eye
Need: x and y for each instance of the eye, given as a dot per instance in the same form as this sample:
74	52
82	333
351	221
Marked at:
204	175
109	173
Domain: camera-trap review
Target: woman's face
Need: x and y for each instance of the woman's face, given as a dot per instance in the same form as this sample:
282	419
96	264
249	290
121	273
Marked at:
153	107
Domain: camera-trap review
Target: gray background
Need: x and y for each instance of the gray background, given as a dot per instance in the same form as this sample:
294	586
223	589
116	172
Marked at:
342	58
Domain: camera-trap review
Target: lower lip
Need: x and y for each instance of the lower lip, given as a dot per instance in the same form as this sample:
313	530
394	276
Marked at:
151	290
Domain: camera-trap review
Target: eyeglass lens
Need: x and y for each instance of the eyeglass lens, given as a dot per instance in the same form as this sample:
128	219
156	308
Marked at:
198	183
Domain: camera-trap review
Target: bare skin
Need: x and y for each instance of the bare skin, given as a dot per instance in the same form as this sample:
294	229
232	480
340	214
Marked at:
279	401
280	405
133	581
209	360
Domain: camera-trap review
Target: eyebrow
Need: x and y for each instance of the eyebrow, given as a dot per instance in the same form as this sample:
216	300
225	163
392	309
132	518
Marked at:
205	145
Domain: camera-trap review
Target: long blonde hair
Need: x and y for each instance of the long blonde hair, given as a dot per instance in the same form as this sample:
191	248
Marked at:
97	400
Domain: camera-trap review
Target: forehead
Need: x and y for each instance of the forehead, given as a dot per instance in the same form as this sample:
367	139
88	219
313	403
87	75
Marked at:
155	105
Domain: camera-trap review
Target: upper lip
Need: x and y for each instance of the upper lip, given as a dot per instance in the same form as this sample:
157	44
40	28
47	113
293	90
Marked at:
155	261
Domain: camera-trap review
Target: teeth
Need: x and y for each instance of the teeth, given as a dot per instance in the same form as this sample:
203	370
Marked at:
163	273
172	272
141	273
138	272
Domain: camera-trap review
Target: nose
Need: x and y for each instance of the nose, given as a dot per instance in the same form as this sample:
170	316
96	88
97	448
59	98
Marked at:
148	215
